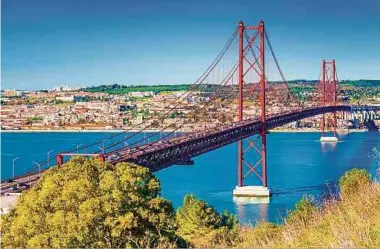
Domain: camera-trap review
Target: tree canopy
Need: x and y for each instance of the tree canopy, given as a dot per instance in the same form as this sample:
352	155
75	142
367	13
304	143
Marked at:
86	203
202	226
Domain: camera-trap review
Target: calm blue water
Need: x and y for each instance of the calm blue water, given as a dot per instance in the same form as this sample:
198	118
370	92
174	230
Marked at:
297	164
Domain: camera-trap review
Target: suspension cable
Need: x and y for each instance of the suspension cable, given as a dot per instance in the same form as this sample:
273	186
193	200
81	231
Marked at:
172	131
279	68
193	87
225	80
174	107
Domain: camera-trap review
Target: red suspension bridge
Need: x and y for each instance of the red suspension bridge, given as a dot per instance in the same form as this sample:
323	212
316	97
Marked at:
236	82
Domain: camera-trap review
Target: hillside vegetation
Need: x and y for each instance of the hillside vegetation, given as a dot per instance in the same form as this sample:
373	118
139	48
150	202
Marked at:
362	83
122	89
87	203
296	85
351	222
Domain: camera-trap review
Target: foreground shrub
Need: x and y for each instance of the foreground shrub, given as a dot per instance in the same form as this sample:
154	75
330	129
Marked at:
202	226
352	181
303	211
260	236
86	203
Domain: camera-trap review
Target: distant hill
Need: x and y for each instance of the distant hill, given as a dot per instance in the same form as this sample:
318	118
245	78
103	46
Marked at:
356	83
362	83
122	89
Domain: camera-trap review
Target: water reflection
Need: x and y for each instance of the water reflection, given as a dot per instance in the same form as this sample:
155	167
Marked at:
251	200
245	204
328	146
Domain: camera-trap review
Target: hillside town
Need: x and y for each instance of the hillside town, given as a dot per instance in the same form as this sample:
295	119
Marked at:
75	109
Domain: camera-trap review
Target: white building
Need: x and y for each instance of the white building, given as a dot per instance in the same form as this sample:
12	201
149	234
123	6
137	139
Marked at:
65	98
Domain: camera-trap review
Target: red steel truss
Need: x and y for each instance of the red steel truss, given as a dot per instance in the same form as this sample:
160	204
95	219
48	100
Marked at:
260	70
328	91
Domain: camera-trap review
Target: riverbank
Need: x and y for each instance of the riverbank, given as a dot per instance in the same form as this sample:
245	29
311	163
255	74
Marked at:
318	131
117	131
72	131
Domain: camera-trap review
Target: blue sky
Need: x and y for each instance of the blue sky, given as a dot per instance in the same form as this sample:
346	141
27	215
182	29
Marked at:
49	43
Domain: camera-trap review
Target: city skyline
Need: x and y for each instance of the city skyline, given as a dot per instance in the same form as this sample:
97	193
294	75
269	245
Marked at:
145	43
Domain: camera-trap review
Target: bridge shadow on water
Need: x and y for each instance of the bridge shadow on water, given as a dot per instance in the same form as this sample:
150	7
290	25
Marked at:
329	189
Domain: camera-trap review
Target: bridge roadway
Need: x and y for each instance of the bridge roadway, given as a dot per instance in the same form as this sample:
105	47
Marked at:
180	150
368	108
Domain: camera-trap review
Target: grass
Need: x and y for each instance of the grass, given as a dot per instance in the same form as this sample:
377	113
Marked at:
351	220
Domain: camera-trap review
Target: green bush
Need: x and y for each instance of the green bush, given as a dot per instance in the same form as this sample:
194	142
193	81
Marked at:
202	226
353	180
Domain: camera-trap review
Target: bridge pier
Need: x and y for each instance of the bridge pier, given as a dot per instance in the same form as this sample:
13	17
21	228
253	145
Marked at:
251	191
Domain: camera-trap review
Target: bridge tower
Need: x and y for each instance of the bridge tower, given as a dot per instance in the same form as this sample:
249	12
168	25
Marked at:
329	91
243	163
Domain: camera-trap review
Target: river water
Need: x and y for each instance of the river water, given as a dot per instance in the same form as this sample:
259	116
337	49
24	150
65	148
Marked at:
298	164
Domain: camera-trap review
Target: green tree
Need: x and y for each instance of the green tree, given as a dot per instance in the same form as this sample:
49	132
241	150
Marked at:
202	226
126	121
35	119
87	203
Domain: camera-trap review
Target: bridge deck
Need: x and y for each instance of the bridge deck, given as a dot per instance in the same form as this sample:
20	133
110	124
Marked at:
159	155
